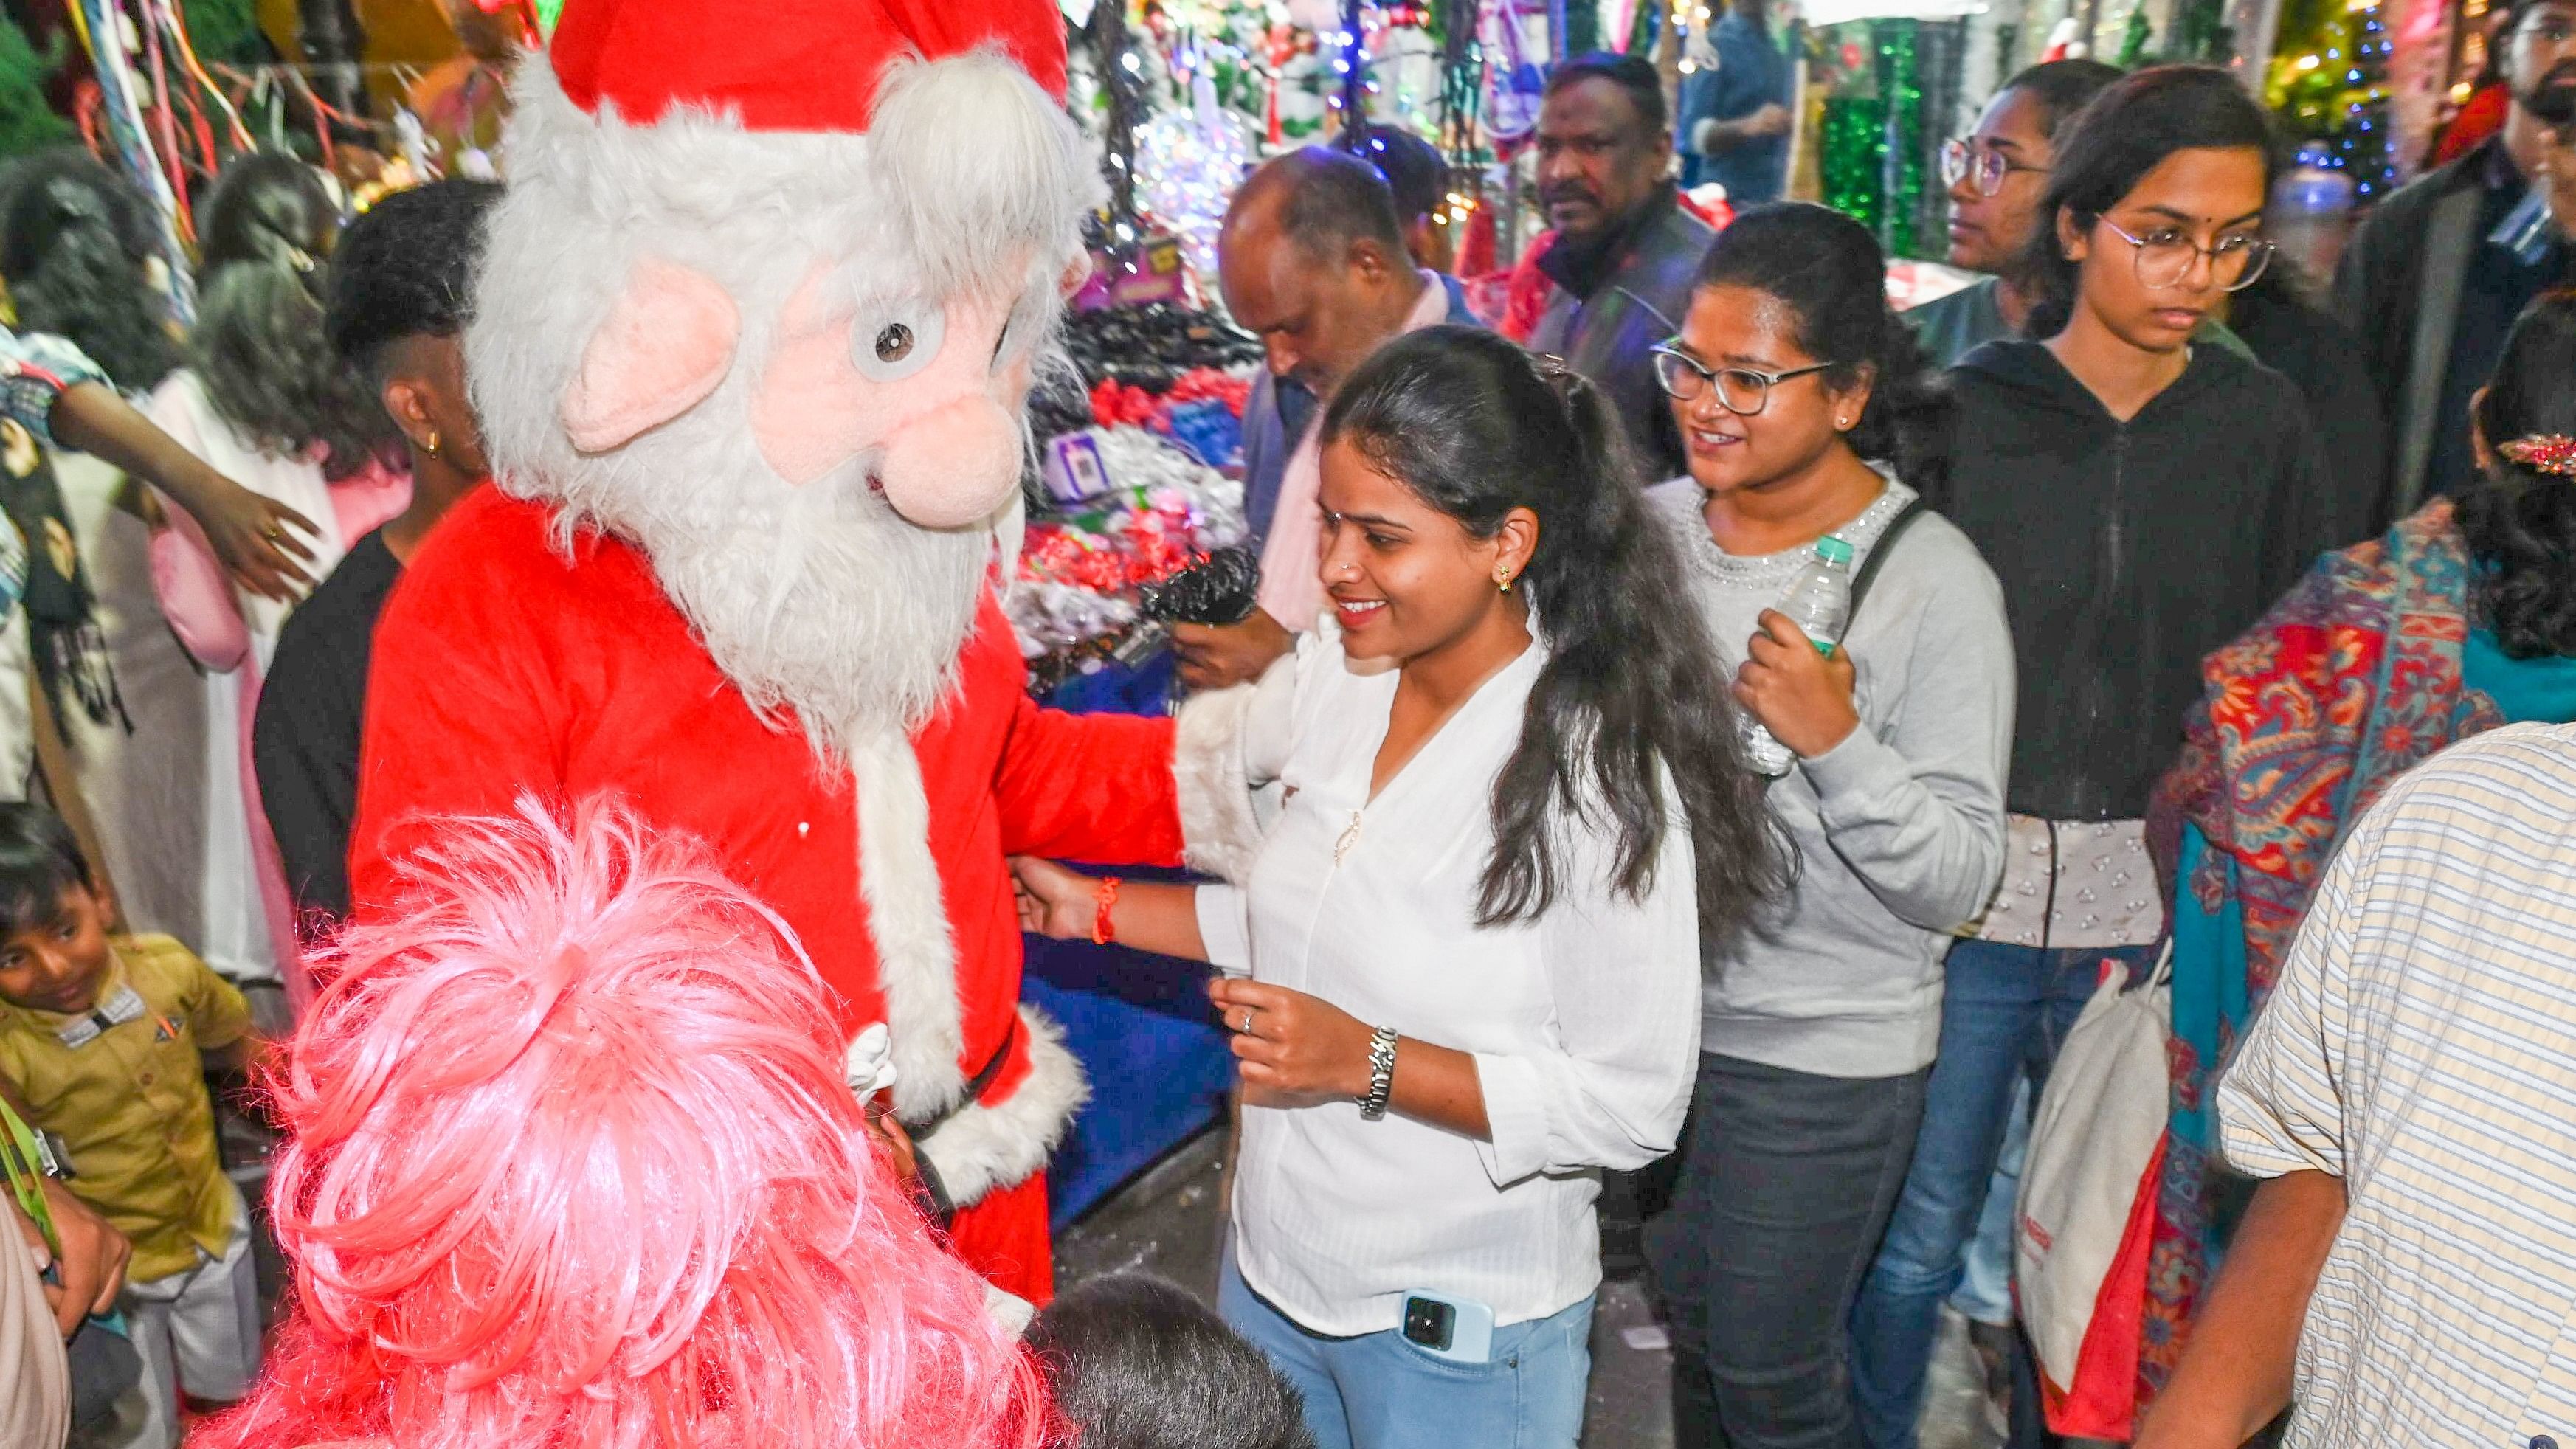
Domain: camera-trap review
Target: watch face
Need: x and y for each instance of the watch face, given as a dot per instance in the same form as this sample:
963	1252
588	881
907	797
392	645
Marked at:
1429	1323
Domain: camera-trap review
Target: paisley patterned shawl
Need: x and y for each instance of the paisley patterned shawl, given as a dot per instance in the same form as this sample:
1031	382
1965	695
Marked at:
2351	679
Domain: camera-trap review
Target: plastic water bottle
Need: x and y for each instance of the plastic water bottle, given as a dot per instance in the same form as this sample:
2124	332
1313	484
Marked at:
1819	602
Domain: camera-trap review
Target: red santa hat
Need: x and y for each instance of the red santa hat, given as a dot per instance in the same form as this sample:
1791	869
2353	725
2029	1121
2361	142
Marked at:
791	65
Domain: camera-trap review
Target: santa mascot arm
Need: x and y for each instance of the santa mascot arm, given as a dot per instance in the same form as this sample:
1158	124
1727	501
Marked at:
1122	790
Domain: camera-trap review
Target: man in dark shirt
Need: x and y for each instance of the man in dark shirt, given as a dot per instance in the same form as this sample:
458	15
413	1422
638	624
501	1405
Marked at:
1625	253
2431	282
399	293
1735	110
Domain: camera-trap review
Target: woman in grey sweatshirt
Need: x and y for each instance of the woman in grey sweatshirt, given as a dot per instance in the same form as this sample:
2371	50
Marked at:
1805	408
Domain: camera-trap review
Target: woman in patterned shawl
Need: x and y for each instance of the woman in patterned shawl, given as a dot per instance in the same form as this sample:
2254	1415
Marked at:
2460	619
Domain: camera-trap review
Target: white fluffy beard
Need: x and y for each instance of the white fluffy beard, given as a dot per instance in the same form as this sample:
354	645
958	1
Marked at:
816	599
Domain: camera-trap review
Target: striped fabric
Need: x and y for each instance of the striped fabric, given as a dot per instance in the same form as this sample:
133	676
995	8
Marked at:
2421	1043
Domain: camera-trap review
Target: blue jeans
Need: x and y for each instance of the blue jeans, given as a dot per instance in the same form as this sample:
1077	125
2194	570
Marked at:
1787	1180
1378	1391
2004	1010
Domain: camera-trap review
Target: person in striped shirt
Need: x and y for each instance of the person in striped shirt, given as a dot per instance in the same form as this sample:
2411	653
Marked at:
2404	1274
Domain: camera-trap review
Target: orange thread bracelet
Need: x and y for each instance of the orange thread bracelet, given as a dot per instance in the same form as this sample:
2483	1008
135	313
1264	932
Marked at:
1103	929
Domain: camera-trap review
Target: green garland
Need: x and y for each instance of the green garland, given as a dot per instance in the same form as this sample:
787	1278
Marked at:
1851	148
1900	87
27	123
227	31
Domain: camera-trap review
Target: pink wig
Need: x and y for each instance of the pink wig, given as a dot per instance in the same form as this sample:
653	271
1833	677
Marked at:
573	1164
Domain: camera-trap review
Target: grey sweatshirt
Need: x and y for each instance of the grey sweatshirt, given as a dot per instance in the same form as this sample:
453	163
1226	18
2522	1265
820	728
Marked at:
1899	829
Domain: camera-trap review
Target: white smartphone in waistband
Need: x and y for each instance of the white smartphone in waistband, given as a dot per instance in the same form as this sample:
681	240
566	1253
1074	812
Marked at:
1460	1330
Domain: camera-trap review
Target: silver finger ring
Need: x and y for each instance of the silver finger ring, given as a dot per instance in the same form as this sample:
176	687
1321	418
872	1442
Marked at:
1246	1028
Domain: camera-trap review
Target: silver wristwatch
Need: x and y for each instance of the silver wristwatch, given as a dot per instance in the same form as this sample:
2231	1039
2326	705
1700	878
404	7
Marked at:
1381	1073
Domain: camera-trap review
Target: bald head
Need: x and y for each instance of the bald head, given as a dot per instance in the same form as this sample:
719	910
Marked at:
1312	260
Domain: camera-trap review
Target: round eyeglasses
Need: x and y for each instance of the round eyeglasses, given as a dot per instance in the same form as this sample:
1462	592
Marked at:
1740	390
1963	160
2165	257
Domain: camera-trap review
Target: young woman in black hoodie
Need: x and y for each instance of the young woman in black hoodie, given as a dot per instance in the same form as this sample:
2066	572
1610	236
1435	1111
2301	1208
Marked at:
2141	499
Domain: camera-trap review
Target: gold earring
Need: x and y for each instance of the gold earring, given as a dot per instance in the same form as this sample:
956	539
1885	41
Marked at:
1503	580
431	447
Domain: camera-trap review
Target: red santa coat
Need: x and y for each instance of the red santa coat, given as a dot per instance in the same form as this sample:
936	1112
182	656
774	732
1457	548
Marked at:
502	668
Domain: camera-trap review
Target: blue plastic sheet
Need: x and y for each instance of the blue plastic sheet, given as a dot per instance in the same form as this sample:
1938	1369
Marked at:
1141	1024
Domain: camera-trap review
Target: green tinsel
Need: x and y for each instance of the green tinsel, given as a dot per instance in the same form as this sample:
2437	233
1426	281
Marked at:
1900	88
1641	32
2133	40
226	30
1851	145
26	122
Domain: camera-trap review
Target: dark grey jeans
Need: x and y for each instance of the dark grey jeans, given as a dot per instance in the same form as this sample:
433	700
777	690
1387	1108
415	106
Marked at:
1787	1181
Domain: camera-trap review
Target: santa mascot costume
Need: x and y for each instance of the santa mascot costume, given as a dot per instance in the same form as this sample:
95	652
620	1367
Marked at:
751	338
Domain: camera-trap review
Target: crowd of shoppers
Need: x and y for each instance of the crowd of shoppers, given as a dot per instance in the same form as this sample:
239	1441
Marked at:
2168	592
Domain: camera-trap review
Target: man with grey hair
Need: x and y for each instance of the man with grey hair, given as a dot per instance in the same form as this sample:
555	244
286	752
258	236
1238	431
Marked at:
1313	261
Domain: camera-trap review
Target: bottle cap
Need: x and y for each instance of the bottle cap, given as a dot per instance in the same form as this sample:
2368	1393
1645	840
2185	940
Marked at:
1833	550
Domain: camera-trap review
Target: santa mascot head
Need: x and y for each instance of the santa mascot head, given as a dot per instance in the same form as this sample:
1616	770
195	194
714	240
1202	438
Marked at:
765	297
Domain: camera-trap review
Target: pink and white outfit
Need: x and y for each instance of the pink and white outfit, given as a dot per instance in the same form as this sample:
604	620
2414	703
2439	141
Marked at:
249	916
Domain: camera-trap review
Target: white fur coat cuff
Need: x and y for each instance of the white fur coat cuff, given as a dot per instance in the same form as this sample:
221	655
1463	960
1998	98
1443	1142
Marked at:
1219	829
984	1146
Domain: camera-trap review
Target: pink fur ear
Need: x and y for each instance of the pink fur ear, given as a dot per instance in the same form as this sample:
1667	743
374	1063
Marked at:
663	347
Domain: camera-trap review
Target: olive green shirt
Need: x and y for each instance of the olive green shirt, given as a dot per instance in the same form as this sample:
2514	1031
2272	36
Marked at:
131	1103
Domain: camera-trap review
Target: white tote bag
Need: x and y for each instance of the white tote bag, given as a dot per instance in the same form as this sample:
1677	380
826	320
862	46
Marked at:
2099	1124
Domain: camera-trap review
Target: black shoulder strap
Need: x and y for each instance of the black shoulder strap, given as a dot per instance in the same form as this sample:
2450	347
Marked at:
1878	552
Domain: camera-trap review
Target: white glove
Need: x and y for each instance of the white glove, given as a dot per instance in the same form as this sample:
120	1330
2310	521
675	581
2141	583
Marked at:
870	1063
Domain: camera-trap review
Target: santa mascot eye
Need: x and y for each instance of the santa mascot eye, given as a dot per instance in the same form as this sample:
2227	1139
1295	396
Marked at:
892	343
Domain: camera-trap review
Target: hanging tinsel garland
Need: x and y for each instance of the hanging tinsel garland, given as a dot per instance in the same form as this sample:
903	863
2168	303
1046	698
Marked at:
1900	89
1851	146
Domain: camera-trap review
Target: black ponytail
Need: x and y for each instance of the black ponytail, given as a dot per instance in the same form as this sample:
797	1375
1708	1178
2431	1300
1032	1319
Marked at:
1476	429
76	243
2519	521
260	346
1828	270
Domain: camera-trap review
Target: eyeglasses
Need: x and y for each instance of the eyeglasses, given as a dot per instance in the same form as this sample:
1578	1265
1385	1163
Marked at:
2165	256
1961	160
1740	390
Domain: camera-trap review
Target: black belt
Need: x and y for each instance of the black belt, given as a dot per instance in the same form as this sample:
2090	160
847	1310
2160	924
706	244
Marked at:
930	1194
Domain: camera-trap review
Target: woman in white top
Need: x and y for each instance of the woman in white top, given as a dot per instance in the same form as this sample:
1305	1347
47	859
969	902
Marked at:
265	401
1509	809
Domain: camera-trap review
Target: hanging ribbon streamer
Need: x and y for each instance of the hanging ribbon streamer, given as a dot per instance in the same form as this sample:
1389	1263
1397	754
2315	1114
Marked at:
102	27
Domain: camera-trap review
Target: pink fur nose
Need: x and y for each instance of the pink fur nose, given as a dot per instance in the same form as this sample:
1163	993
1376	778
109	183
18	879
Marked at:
954	465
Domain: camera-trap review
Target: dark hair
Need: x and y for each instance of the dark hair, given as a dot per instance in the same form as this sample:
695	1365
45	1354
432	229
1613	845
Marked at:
1334	198
75	240
1417	175
2519	522
1133	1362
2124	133
1631	73
406	269
39	860
2061	87
259	347
1632	686
1829	272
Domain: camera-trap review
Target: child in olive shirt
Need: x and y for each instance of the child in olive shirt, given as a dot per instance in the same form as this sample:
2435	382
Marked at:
101	1039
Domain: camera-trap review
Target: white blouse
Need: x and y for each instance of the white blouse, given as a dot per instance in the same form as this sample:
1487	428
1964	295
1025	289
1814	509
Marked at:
1584	1024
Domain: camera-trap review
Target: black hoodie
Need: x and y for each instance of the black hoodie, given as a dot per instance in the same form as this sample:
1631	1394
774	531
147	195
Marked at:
2129	550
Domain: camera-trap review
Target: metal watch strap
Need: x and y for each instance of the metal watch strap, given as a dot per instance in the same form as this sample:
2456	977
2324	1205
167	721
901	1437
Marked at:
1381	1074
